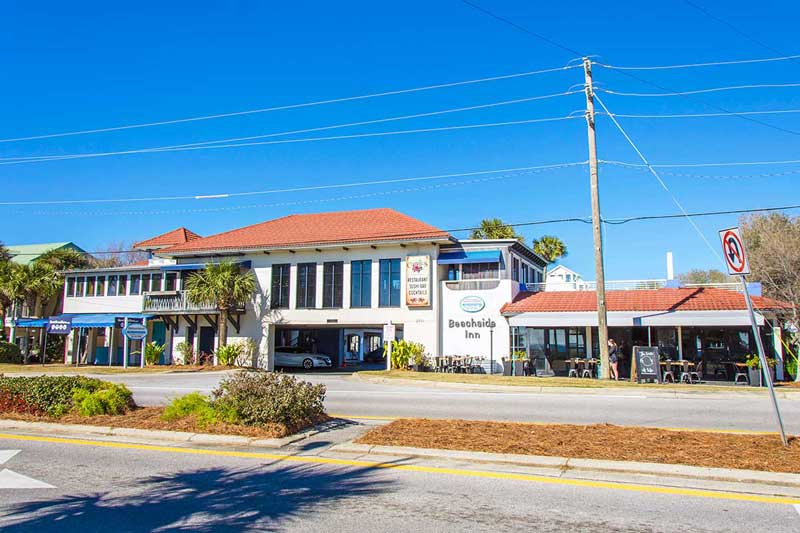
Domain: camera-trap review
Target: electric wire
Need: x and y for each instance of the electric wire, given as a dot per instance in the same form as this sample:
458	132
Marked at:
700	165
307	139
699	65
292	106
585	220
701	115
309	130
658	178
701	91
290	189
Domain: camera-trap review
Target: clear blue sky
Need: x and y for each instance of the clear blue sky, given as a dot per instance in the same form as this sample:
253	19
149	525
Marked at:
90	65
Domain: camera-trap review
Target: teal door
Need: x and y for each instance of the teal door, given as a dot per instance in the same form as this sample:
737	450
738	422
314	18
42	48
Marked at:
160	336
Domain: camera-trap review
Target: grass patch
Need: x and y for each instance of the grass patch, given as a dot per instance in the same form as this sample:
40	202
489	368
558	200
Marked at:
531	381
599	441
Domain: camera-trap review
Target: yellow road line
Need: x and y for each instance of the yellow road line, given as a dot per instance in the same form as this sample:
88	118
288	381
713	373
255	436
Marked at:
420	469
698	430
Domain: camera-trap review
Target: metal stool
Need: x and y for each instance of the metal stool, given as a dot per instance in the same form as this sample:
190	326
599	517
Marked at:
668	377
741	375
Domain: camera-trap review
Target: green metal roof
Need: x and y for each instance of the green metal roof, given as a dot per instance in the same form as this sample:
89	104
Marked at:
24	254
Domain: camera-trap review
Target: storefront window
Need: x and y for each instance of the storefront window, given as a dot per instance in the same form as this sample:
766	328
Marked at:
389	282
667	339
361	283
576	342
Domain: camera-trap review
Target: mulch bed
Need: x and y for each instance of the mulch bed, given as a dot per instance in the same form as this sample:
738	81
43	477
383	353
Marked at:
150	418
599	441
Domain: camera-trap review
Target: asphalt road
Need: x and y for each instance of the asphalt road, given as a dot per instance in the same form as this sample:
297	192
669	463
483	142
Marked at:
354	398
121	489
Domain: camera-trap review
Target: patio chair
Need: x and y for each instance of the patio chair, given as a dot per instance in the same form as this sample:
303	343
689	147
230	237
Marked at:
685	376
573	369
668	376
695	376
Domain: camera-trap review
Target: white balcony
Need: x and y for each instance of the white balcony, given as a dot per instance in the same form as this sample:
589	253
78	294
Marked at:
174	302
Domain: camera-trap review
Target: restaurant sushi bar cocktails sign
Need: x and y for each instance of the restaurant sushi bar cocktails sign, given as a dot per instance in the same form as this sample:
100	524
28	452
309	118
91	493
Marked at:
418	280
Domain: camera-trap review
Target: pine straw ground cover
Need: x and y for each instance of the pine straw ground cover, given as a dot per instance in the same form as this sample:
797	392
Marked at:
600	441
150	418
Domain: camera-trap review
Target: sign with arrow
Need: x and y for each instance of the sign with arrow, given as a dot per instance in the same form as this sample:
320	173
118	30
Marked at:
733	250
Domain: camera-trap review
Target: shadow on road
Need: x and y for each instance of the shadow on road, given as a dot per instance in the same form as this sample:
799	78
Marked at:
214	499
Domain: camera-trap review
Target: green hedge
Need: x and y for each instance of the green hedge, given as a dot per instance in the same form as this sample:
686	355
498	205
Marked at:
58	395
9	353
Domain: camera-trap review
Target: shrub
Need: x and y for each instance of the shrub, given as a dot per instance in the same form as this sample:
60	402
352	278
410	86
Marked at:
111	399
9	353
56	395
228	354
153	352
261	398
791	367
187	352
405	353
195	404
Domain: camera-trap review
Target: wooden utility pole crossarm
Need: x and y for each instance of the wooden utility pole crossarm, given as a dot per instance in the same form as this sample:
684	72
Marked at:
602	318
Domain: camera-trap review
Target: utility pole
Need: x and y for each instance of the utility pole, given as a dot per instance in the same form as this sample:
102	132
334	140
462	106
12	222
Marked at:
602	317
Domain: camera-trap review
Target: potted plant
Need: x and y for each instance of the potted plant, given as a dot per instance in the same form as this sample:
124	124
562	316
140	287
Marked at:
519	357
754	369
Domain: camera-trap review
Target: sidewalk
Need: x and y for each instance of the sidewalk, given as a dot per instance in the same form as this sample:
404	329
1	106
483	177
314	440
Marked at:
651	391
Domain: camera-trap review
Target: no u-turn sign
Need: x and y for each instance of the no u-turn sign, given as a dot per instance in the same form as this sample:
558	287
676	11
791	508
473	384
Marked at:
733	250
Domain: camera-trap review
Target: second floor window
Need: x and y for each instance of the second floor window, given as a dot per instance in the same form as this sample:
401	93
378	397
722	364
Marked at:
484	271
389	283
306	285
112	285
279	297
71	287
155	282
136	284
79	287
515	269
332	284
171	281
90	286
101	286
122	288
361	283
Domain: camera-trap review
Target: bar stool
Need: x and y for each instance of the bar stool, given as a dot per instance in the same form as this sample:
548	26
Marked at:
573	368
668	376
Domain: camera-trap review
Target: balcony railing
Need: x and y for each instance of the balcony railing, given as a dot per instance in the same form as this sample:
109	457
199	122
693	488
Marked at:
174	302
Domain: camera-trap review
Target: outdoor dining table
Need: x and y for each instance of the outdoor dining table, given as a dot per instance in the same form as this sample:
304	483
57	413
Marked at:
581	364
680	366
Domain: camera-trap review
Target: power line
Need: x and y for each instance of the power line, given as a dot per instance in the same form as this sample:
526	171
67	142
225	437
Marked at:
703	91
584	220
701	115
521	28
699	65
292	106
305	140
750	38
307	130
539	168
696	165
711	176
658	178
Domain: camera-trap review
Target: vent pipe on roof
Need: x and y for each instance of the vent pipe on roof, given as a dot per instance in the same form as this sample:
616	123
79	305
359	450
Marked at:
670	267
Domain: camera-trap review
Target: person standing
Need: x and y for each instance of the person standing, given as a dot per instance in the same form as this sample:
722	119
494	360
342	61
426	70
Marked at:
613	359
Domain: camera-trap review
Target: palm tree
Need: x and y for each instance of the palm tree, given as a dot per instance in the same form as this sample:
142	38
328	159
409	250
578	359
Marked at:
226	286
61	260
550	247
494	228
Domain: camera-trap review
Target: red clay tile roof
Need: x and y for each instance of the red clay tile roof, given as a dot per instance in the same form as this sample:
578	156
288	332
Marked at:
142	263
170	238
683	299
339	227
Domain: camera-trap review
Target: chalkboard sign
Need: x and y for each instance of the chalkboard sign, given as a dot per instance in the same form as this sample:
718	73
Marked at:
647	365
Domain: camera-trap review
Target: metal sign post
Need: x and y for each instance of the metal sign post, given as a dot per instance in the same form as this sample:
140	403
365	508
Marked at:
388	337
736	259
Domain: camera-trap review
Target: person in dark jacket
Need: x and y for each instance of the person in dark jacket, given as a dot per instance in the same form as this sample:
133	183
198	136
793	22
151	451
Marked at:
613	359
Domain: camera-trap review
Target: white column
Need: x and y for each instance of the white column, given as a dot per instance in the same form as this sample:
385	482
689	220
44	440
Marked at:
110	333
776	342
293	286
125	347
346	285
318	286
589	343
680	343
144	341
376	274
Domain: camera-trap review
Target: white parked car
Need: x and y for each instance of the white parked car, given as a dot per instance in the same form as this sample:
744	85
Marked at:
292	356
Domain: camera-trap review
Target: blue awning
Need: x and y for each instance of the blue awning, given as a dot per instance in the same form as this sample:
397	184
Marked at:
97	320
31	322
197	266
462	257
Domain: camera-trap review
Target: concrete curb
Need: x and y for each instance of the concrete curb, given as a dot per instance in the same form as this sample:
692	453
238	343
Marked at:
564	464
153	437
649	392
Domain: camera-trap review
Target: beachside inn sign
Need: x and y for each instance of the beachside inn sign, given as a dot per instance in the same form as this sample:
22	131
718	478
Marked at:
418	280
